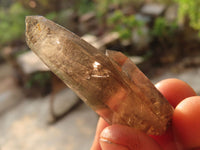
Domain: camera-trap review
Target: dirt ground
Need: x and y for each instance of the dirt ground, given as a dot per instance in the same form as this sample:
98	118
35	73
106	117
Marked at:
24	121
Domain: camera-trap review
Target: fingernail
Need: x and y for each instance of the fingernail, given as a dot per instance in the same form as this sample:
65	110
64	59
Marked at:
107	145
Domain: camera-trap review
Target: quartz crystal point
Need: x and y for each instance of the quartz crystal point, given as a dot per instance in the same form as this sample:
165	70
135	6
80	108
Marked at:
109	83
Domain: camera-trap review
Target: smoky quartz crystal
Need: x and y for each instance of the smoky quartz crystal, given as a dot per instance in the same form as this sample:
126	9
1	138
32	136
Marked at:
110	83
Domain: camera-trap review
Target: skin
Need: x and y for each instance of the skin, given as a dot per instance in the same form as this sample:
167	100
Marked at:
184	133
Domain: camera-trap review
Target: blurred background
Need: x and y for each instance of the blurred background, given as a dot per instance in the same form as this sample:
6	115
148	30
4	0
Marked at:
37	111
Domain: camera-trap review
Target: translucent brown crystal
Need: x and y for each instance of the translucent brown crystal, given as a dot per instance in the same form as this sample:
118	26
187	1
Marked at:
109	83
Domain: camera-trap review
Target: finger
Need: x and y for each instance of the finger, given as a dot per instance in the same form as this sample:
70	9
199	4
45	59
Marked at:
100	126
175	90
119	137
186	122
166	141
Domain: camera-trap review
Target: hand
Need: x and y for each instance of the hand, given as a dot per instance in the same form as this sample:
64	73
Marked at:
184	134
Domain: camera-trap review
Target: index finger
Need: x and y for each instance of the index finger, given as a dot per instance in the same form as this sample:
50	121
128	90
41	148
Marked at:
175	90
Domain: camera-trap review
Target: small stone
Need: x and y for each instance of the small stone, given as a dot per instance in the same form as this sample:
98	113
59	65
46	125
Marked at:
101	43
141	37
142	18
89	38
126	42
136	59
63	104
153	9
30	63
109	38
171	13
87	17
93	40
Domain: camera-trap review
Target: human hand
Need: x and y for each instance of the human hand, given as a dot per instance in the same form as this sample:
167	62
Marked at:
184	134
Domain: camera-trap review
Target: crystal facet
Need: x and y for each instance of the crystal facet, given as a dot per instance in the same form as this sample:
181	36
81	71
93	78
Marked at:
109	83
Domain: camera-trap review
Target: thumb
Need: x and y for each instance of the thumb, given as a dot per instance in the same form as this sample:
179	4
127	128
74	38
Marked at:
119	137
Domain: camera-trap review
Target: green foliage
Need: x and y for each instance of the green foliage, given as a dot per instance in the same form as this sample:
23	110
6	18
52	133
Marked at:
190	8
102	6
162	28
124	24
52	15
40	79
84	6
12	23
